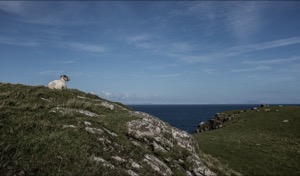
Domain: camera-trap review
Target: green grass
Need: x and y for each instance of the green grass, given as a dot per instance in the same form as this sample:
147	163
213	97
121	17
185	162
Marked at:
257	142
34	140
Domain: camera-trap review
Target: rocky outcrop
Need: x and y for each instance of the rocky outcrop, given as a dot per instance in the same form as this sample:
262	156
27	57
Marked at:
72	111
166	143
215	122
161	132
158	165
155	135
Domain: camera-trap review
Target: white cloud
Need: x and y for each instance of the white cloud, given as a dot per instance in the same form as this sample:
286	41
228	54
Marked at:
210	71
138	38
238	50
196	58
39	42
65	62
18	42
166	75
128	97
105	94
144	41
60	14
157	44
161	66
57	73
273	77
148	45
258	68
264	45
239	19
12	6
244	19
179	47
80	74
84	47
52	72
272	61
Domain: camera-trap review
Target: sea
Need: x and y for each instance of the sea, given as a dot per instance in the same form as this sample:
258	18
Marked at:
187	117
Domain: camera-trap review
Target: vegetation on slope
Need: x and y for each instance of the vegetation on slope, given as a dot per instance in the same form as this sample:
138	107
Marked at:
265	141
68	132
37	140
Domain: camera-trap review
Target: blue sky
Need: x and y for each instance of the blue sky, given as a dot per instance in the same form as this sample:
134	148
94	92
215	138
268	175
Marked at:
172	52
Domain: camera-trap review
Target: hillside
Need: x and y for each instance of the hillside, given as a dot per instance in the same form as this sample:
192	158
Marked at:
263	141
69	132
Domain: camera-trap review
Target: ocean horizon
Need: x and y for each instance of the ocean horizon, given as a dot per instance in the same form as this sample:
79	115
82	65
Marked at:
187	116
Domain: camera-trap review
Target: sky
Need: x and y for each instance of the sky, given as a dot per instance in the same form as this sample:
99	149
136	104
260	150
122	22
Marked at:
156	52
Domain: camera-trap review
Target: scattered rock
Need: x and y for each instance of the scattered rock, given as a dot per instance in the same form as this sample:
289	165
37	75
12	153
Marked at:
103	103
104	140
181	161
81	97
285	121
108	105
134	164
88	113
111	133
87	123
198	168
264	106
69	126
157	165
104	162
136	143
188	173
157	147
45	99
117	158
131	173
94	130
69	110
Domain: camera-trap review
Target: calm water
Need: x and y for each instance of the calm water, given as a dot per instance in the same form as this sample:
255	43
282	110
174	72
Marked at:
187	117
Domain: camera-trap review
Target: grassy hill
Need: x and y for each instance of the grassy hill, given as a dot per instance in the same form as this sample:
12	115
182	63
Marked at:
52	132
265	141
69	132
